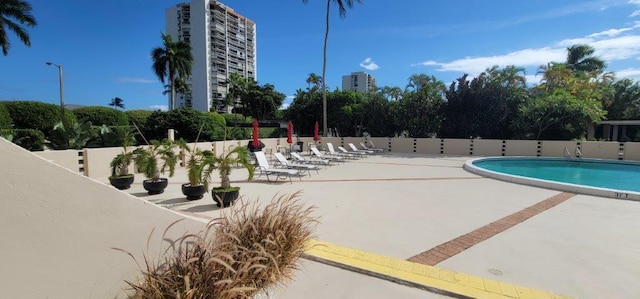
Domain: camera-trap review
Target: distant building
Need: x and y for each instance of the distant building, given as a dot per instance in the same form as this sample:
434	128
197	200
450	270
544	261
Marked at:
359	81
222	42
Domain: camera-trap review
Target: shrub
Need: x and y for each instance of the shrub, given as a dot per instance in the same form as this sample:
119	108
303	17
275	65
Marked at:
185	121
5	119
108	136
252	249
99	115
214	128
139	117
29	139
35	115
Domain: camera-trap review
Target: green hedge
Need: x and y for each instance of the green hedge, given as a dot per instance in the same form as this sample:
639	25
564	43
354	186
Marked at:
139	117
186	122
99	115
35	115
29	139
5	118
111	137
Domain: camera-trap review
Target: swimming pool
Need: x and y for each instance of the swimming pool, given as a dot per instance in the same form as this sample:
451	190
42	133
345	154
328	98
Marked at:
609	178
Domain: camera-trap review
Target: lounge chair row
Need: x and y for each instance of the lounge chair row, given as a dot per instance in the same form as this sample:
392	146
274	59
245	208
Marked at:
287	169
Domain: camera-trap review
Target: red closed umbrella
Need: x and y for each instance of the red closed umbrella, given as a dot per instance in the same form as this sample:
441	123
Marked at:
256	134
289	132
316	128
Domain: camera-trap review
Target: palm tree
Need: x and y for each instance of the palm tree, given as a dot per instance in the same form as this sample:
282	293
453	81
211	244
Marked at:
171	61
416	81
314	79
237	87
117	102
510	76
19	11
342	5
580	58
180	85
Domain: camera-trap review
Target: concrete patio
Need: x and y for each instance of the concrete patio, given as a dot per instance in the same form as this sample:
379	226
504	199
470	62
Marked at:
403	205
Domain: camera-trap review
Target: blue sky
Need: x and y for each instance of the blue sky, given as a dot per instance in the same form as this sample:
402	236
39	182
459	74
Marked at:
104	46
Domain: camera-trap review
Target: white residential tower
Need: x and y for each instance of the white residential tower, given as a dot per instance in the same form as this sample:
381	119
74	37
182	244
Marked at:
222	42
359	81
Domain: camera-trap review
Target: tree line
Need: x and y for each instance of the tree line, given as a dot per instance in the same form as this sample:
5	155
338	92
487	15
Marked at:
572	97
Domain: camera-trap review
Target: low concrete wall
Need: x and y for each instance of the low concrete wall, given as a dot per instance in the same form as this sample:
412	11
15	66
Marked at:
522	148
553	148
428	145
600	149
59	227
96	161
460	147
69	159
487	147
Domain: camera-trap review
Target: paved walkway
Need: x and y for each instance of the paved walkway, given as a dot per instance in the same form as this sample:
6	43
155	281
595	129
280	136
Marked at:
394	216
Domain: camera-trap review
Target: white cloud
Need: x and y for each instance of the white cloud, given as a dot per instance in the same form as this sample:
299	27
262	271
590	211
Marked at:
533	79
610	45
134	80
369	64
159	107
630	73
610	32
636	12
284	106
618	48
476	65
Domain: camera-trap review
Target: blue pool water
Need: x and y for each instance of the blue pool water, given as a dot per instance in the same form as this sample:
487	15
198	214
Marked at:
609	174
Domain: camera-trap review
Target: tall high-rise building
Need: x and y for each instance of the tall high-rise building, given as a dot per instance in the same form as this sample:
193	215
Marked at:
222	42
359	81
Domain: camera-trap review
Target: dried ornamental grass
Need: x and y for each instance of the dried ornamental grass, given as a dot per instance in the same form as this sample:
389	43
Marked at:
238	256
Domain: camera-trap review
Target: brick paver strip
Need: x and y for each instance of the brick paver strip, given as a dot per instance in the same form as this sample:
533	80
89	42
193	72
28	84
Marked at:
448	249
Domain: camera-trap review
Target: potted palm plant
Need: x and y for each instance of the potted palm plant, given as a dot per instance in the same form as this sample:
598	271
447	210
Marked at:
153	160
120	176
200	164
225	195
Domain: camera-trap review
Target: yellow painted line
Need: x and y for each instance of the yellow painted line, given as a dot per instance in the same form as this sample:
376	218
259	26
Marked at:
434	279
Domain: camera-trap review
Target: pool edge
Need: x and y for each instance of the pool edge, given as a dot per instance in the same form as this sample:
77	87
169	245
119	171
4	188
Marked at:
547	184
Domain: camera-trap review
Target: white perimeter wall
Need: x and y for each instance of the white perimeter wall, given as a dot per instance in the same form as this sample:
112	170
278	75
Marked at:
58	228
95	162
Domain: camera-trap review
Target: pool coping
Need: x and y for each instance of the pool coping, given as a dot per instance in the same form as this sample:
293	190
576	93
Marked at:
430	278
567	187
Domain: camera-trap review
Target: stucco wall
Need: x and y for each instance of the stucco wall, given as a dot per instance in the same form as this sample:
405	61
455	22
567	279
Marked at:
428	146
487	147
69	159
457	147
632	151
521	148
599	149
401	145
553	148
58	228
97	160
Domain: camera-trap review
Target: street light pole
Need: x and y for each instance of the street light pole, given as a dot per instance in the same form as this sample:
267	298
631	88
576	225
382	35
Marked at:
61	90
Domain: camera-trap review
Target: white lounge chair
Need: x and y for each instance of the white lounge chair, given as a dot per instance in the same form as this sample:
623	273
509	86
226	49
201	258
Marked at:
373	146
339	154
263	165
357	153
318	154
365	147
357	150
286	164
316	161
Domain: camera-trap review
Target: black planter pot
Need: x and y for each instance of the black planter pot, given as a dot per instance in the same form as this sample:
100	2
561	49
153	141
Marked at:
121	182
228	195
193	193
155	187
